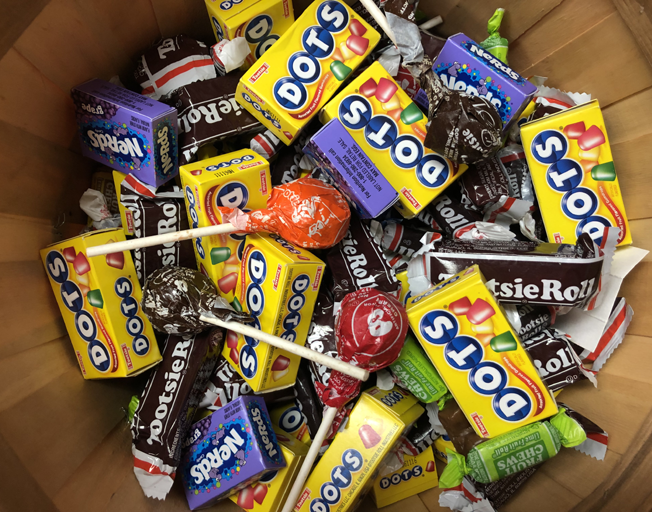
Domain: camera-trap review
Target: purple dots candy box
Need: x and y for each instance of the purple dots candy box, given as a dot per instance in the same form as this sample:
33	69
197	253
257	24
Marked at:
127	131
229	450
463	65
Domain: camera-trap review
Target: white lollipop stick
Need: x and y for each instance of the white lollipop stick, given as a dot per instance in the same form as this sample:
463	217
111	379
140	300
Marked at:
432	23
304	472
380	18
275	341
149	241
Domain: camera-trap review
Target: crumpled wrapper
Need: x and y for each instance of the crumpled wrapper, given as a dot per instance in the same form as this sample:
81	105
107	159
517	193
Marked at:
175	297
465	129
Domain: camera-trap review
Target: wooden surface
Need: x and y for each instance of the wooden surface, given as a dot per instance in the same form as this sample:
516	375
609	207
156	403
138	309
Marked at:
64	445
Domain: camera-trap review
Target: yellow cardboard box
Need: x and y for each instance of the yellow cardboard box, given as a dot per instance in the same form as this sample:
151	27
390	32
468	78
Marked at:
290	418
418	474
440	446
277	286
99	299
574	175
269	493
296	77
261	22
349	466
467	337
390	128
235	180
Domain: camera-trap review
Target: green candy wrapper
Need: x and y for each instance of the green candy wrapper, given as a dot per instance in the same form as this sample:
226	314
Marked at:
495	44
514	451
417	373
131	409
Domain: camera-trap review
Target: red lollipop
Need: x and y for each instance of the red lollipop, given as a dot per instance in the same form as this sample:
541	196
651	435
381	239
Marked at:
306	212
370	329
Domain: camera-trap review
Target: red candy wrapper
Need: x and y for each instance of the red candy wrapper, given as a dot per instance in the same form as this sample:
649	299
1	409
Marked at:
306	212
370	329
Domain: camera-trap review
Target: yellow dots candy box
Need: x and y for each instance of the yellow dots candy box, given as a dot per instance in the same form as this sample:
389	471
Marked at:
99	299
235	180
467	337
574	175
270	492
261	22
390	129
418	474
298	75
348	468
277	285
440	446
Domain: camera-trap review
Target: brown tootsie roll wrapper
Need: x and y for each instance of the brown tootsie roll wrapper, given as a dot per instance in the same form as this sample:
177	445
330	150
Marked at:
307	399
165	212
463	128
500	491
208	112
484	183
452	216
171	63
597	439
403	8
514	164
358	262
167	406
555	360
226	385
458	428
321	335
534	319
517	272
405	239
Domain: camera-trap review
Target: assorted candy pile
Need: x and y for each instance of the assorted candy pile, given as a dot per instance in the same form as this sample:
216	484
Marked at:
419	211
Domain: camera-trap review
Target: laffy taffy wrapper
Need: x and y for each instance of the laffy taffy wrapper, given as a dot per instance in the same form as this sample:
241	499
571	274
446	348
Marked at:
467	337
306	212
574	176
304	68
515	451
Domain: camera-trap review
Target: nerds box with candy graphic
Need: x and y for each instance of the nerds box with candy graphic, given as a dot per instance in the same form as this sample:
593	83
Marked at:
126	131
228	450
463	65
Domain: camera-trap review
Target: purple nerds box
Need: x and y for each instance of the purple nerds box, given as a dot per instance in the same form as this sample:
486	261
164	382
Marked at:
463	65
228	450
354	174
127	131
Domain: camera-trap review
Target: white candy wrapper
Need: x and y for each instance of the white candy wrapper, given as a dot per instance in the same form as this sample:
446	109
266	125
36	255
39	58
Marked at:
507	211
488	231
587	327
93	203
229	55
390	59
